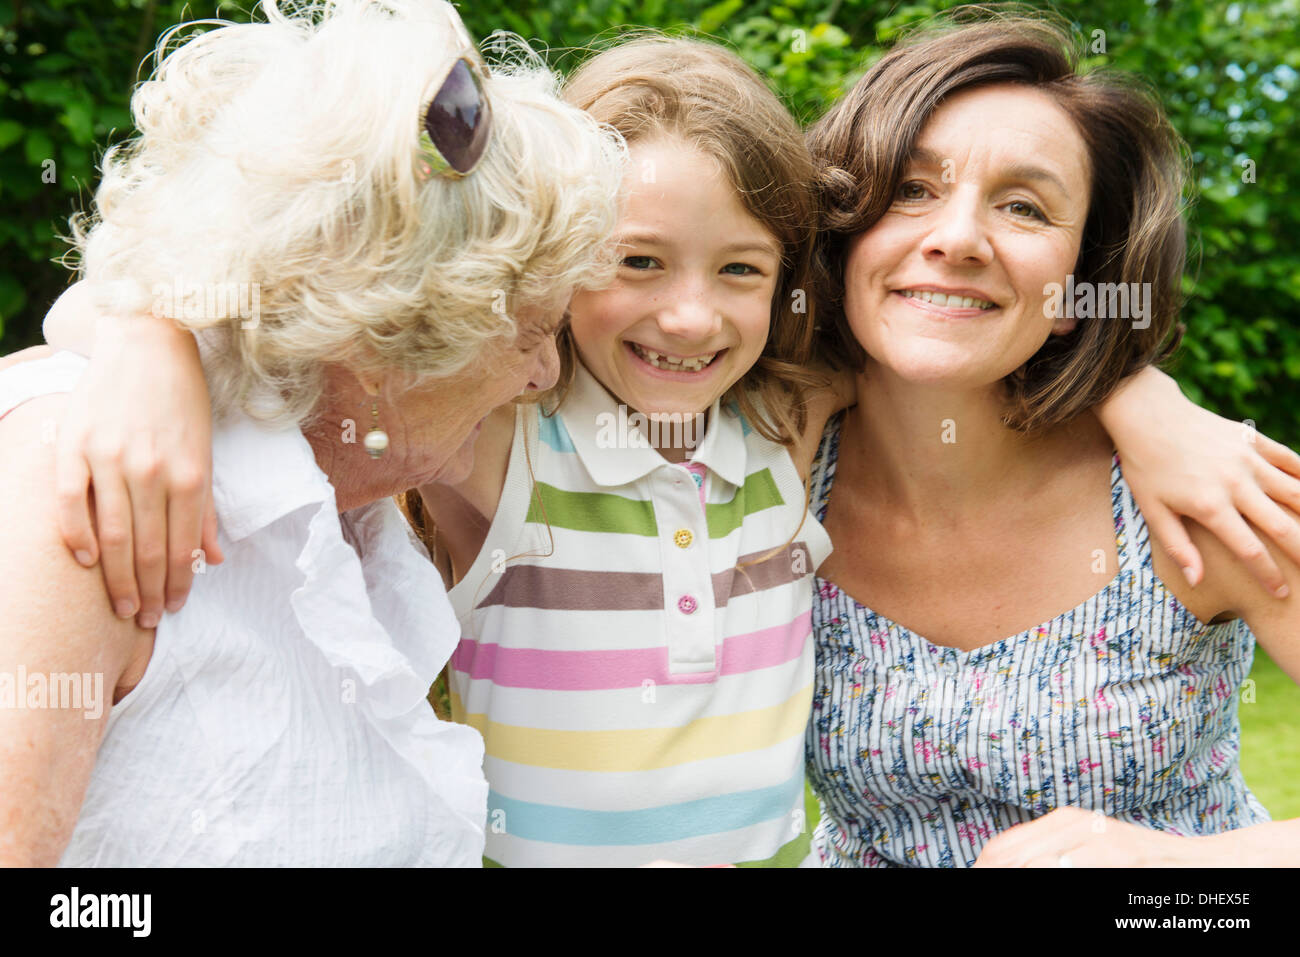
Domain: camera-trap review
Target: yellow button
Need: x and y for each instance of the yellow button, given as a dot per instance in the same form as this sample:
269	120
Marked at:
683	538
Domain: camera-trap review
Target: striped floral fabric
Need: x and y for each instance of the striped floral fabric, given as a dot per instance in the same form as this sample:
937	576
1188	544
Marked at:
1125	705
636	646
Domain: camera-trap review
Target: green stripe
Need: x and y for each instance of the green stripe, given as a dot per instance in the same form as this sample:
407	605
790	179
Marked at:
592	511
759	492
604	512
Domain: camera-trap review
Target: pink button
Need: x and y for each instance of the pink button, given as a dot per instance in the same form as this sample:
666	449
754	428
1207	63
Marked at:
686	604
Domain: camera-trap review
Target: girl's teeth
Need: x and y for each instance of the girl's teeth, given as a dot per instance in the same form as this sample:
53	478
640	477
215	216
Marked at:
940	299
661	361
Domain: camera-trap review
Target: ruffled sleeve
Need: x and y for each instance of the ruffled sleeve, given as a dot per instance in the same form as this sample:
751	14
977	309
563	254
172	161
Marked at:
404	633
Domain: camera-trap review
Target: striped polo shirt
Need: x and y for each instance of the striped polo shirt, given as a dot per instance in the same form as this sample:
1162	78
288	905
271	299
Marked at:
636	645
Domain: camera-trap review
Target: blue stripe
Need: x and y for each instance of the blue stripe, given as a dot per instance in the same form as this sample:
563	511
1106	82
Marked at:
552	431
657	825
745	427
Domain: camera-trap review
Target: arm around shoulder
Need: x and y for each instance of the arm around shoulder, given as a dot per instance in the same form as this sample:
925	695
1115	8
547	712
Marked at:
1229	588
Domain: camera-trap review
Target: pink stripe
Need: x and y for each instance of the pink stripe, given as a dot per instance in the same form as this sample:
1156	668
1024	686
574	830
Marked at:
603	670
766	647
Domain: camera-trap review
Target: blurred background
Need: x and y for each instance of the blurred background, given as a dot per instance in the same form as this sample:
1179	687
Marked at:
1228	74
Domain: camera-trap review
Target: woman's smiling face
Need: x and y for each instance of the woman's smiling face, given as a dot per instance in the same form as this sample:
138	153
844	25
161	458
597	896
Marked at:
689	311
948	288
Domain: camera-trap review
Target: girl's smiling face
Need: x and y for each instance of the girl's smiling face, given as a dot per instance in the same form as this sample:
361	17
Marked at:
949	286
688	314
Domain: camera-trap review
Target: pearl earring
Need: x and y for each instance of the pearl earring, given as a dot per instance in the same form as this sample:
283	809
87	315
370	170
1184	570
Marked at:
376	441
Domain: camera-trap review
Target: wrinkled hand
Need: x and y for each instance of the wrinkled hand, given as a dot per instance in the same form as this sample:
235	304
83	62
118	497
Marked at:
134	467
1072	837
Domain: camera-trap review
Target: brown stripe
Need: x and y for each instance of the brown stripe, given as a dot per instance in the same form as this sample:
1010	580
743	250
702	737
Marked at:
786	564
571	589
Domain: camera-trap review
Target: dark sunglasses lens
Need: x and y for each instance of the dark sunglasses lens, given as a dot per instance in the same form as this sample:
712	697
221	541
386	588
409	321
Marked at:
457	120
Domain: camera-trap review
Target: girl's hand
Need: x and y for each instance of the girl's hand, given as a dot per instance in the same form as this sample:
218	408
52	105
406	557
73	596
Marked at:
138	434
1181	460
1072	837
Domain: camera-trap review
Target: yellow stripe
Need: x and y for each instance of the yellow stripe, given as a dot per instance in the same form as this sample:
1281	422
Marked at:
642	749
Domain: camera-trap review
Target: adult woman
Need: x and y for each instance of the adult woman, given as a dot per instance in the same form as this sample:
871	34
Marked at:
973	498
384	199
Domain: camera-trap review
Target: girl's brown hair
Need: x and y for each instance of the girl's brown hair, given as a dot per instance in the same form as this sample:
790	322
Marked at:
1134	232
703	94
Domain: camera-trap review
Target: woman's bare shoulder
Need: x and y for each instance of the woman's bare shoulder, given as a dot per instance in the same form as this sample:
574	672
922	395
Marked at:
836	395
58	632
40	582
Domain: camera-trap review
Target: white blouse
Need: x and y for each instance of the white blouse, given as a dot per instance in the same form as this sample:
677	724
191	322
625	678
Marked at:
283	718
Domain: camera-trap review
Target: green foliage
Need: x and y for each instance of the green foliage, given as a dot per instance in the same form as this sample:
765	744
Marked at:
1270	755
1227	72
65	77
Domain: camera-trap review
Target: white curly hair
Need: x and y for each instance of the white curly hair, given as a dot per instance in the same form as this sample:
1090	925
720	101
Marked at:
282	157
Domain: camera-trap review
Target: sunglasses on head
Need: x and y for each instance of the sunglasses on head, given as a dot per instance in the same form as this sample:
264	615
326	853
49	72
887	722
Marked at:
456	121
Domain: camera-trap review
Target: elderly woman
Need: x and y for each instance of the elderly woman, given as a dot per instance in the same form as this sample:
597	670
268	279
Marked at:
998	641
393	234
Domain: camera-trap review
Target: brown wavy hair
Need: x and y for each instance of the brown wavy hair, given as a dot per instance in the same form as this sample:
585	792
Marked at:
704	94
1134	231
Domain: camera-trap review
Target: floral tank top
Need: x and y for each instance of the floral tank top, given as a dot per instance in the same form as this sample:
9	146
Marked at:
1125	705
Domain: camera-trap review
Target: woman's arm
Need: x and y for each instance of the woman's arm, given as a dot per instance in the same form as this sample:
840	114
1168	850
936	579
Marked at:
59	646
1181	460
137	441
1073	837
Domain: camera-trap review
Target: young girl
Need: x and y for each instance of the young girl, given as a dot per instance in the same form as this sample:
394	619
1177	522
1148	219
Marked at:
634	601
634	593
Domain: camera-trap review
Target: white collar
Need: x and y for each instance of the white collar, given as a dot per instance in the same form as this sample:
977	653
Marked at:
589	411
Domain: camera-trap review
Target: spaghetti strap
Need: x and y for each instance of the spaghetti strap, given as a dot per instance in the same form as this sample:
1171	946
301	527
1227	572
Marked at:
822	473
1132	538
